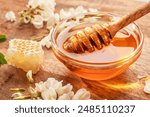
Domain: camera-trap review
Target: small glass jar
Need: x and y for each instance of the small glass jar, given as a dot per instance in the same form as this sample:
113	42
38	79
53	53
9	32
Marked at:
95	71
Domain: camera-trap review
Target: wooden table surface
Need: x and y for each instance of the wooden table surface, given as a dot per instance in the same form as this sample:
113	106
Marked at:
124	86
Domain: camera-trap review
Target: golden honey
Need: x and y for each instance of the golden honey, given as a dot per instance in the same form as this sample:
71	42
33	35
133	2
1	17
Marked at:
101	64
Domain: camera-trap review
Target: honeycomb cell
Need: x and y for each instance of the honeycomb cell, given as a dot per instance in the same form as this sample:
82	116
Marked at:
25	54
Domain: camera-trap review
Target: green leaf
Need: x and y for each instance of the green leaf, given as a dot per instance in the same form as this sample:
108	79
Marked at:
2	59
2	38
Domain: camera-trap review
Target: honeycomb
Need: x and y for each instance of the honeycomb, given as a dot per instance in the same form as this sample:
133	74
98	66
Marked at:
25	54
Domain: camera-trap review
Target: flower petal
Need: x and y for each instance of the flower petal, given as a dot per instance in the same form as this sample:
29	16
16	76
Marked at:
65	89
81	94
40	86
37	21
93	10
147	86
67	96
49	94
10	16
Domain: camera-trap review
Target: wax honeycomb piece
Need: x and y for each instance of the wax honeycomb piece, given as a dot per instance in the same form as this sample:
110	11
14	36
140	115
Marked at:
25	54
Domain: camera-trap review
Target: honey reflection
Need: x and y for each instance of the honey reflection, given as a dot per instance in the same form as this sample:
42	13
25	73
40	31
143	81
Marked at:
118	83
121	85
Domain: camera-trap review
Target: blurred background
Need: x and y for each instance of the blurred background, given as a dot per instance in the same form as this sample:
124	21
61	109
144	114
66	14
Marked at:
144	0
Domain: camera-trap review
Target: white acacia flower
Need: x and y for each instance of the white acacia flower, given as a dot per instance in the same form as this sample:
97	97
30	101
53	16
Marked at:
48	44
33	3
51	21
91	19
72	11
46	40
17	94
33	92
80	10
42	4
47	14
49	94
38	12
37	21
93	10
43	11
47	4
147	86
27	19
66	96
52	89
55	84
10	16
57	18
67	24
29	76
65	89
40	86
64	14
81	94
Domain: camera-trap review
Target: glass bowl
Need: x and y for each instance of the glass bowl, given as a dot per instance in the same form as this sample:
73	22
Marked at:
92	70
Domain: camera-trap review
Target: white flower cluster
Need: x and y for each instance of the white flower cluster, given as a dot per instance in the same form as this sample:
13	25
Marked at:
75	12
53	89
38	12
79	12
10	16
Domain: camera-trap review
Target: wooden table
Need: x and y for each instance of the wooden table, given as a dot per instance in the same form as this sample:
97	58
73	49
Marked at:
125	86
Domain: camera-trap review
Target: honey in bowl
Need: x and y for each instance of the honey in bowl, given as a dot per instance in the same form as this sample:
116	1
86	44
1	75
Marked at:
100	64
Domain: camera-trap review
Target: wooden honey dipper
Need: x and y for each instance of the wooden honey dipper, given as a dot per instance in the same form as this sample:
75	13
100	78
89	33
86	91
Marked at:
101	34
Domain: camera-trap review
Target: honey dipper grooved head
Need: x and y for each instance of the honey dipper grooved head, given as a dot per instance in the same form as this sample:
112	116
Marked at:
88	39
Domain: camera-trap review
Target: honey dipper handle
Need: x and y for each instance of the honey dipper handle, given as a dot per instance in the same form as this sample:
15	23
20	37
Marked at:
127	19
